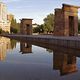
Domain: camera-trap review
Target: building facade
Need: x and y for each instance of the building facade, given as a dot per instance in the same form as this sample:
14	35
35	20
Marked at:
26	26
66	21
4	22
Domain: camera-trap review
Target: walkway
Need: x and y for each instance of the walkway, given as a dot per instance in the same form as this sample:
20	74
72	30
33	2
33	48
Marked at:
68	42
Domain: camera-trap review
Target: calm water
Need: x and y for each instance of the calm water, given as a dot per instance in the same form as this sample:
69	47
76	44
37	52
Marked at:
23	61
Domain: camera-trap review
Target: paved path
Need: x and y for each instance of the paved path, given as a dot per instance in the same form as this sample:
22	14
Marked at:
68	42
77	38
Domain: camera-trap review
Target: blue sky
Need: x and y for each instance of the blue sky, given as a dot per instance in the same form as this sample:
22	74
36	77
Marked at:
35	9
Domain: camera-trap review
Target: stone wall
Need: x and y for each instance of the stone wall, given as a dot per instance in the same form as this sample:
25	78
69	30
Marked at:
66	21
26	26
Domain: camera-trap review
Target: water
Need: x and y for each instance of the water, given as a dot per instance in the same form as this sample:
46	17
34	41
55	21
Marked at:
35	63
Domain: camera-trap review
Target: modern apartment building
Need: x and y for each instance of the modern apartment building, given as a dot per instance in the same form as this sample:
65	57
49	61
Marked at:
4	22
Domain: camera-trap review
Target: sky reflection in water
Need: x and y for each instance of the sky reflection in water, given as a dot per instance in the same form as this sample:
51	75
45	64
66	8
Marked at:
23	61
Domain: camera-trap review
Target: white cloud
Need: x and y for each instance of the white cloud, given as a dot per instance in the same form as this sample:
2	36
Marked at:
9	1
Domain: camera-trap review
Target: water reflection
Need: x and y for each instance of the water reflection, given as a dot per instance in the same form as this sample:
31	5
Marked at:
13	43
5	44
64	62
25	48
63	59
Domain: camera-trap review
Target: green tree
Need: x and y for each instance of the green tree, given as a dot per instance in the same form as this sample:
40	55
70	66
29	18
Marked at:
15	27
39	29
13	43
13	30
18	27
79	25
49	23
13	23
35	29
0	30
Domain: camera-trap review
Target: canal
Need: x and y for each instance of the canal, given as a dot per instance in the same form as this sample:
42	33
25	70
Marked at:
21	60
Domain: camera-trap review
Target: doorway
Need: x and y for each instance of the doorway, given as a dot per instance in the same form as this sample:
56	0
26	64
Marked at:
28	29
71	25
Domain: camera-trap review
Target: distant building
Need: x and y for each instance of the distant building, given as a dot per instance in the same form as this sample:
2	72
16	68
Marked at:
4	22
26	26
66	21
34	25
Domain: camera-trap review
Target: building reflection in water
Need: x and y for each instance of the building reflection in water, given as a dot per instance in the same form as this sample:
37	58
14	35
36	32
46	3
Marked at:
6	44
25	47
64	62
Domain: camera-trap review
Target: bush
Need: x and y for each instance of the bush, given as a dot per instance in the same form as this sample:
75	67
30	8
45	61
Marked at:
0	31
13	30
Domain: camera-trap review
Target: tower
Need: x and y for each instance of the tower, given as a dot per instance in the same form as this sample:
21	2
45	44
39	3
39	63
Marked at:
26	26
66	21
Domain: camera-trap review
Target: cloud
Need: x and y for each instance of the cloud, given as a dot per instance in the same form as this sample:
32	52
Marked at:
9	1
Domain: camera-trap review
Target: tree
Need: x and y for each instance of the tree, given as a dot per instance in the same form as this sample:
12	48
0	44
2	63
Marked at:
13	30
18	27
79	25
35	29
13	43
0	30
39	29
15	27
13	23
49	23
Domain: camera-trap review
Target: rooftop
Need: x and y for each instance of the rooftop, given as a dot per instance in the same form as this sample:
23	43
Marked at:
70	5
26	19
